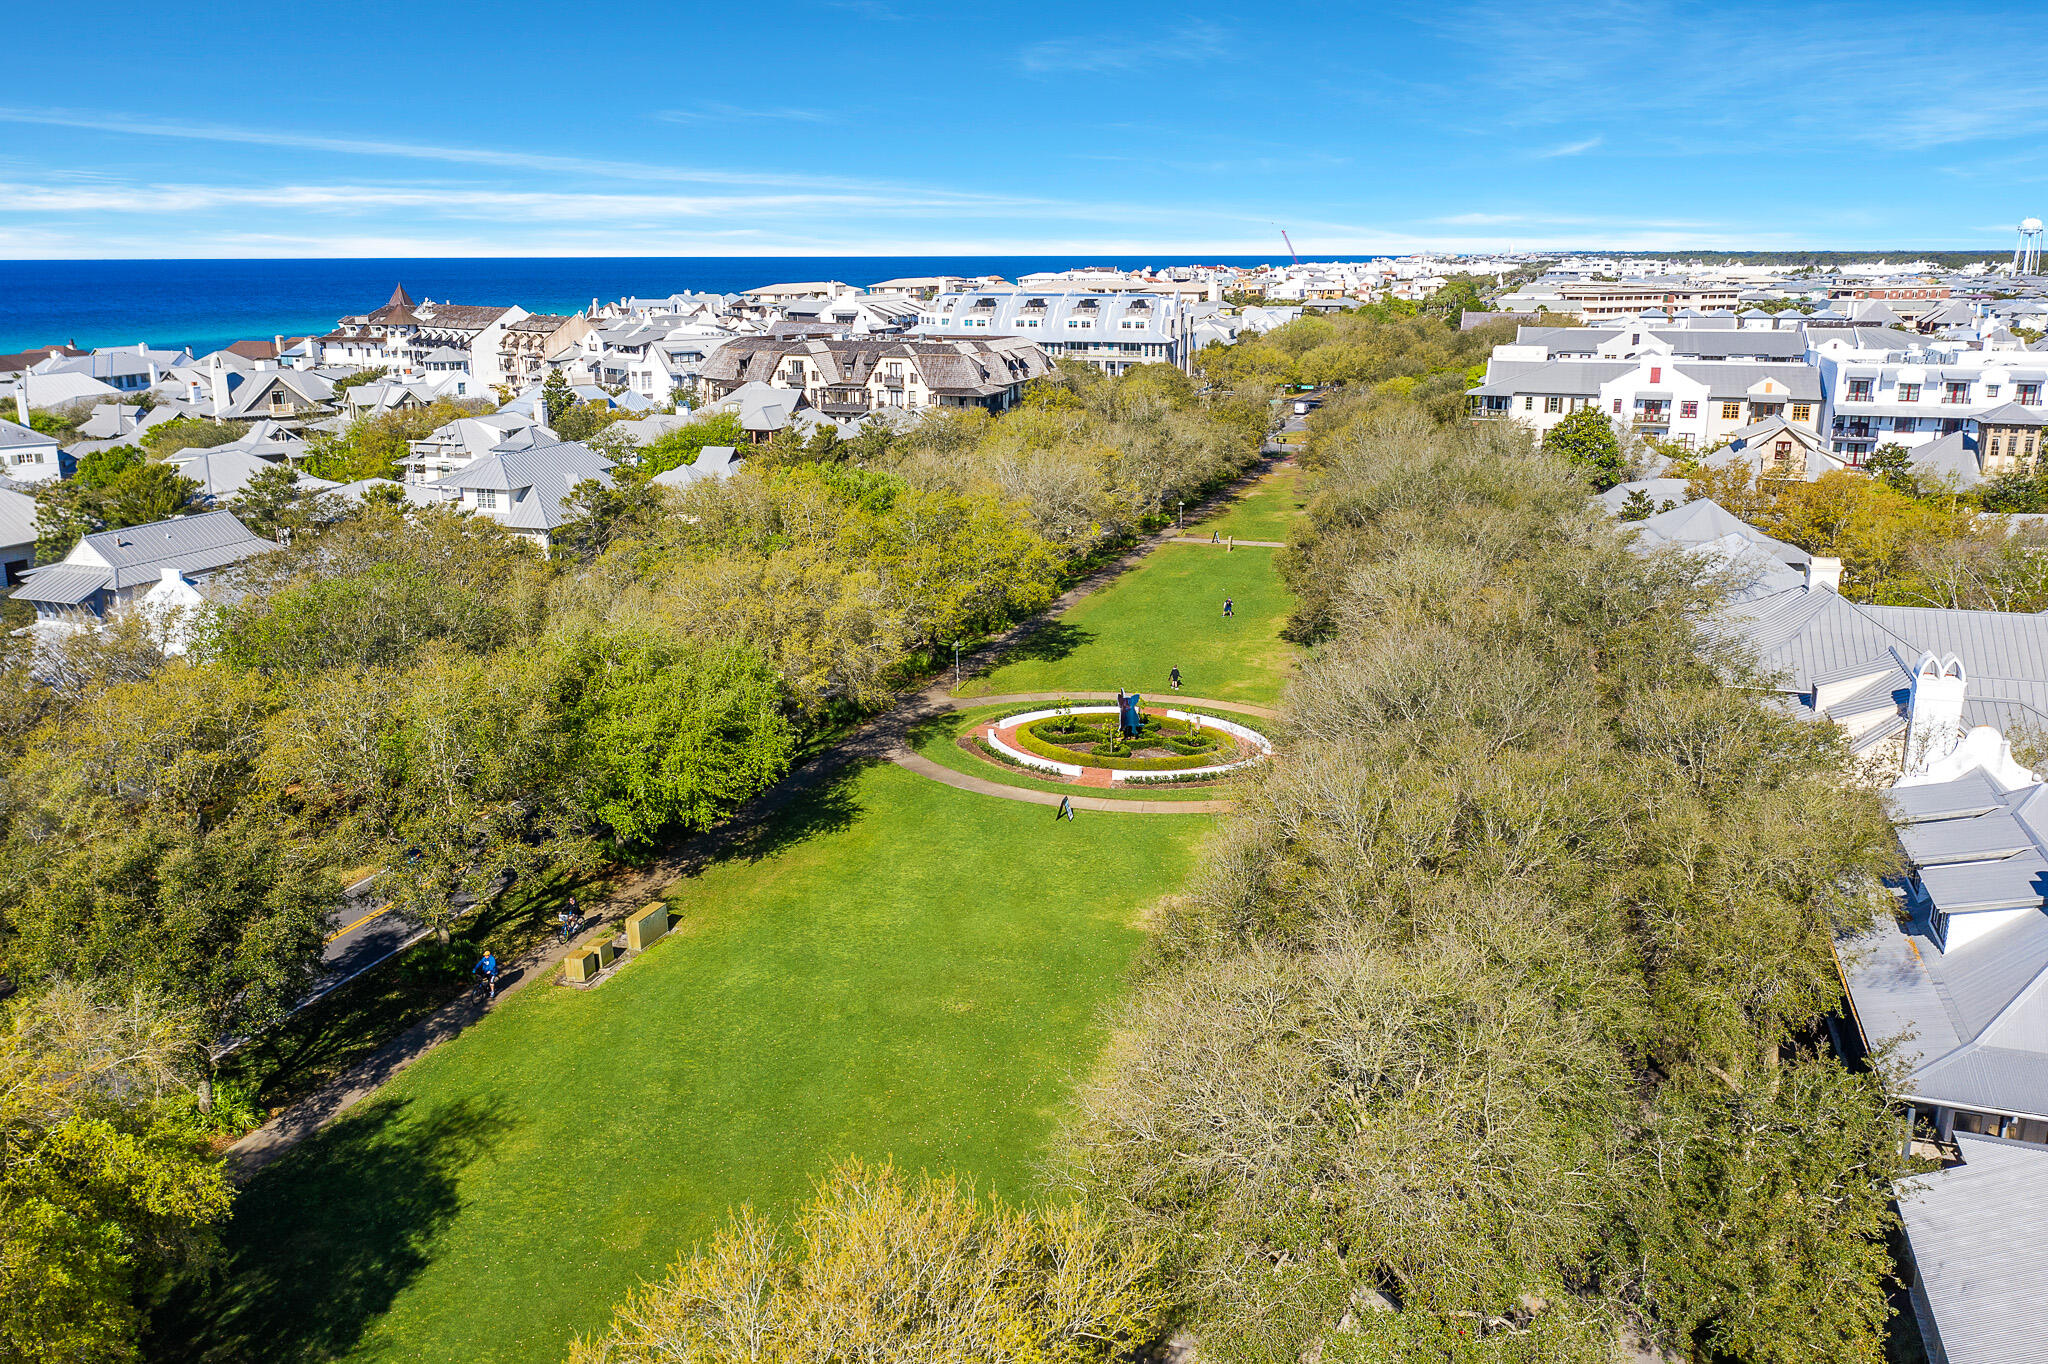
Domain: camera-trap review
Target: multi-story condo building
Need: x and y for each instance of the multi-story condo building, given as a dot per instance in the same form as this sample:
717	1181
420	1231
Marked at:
1697	404
1919	392
848	377
1113	332
525	346
1594	299
1697	385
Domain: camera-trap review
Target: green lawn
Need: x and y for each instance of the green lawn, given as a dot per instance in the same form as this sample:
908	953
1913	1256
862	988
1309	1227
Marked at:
899	969
938	737
1268	512
1166	613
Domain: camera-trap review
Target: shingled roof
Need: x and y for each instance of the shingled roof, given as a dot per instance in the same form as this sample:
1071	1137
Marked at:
397	309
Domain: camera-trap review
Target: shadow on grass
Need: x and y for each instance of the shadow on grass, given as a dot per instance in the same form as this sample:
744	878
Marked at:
1049	643
939	724
312	1047
322	1242
819	799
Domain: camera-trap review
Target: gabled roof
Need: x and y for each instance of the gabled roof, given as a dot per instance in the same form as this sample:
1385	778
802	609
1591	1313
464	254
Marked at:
306	384
223	471
1736	379
119	559
540	477
15	436
712	462
1704	519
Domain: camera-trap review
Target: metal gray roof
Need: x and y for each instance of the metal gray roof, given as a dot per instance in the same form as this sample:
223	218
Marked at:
1723	343
2007	883
1975	794
1994	835
63	584
13	435
1703	520
1992	644
139	554
1735	378
17	518
544	473
1987	1296
2013	414
1581	378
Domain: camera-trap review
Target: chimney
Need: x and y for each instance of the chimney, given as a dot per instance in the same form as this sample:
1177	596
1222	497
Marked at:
1823	572
277	345
1934	714
220	387
142	347
21	398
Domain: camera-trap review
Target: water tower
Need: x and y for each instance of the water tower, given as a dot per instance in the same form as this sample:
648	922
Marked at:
2026	258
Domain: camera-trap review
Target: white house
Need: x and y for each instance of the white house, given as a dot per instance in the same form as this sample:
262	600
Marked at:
523	489
27	455
108	573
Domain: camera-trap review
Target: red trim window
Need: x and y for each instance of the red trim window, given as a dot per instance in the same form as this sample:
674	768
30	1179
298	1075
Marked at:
1656	374
1688	409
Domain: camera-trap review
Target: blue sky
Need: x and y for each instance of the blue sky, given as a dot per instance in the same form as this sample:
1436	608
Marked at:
843	127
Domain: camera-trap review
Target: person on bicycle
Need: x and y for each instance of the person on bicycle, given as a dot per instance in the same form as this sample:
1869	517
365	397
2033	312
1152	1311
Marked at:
488	969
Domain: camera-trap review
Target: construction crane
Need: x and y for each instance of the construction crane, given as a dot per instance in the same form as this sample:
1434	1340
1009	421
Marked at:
1290	245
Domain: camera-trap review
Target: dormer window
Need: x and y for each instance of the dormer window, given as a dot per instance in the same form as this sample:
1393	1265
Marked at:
487	499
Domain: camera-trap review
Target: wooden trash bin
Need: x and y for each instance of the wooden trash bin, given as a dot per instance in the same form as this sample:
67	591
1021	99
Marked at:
581	966
646	926
606	951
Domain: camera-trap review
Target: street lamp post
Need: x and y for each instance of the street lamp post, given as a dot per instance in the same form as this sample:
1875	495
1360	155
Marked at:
1183	515
956	667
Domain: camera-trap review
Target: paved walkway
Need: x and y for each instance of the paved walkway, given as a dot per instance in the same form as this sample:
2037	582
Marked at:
903	756
1228	544
878	740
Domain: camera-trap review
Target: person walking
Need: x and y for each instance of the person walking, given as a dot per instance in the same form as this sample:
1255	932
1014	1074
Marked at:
1227	605
488	969
1173	676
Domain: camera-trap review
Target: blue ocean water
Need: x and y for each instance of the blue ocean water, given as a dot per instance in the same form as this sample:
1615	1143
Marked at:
206	304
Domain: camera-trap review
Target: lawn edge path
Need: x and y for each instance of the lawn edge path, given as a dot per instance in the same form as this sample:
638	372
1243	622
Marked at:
879	739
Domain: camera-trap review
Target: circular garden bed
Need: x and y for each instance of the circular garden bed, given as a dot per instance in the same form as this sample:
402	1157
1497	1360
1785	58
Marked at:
1164	744
1084	744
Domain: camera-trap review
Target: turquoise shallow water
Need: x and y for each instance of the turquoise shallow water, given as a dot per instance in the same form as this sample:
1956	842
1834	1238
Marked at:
208	303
